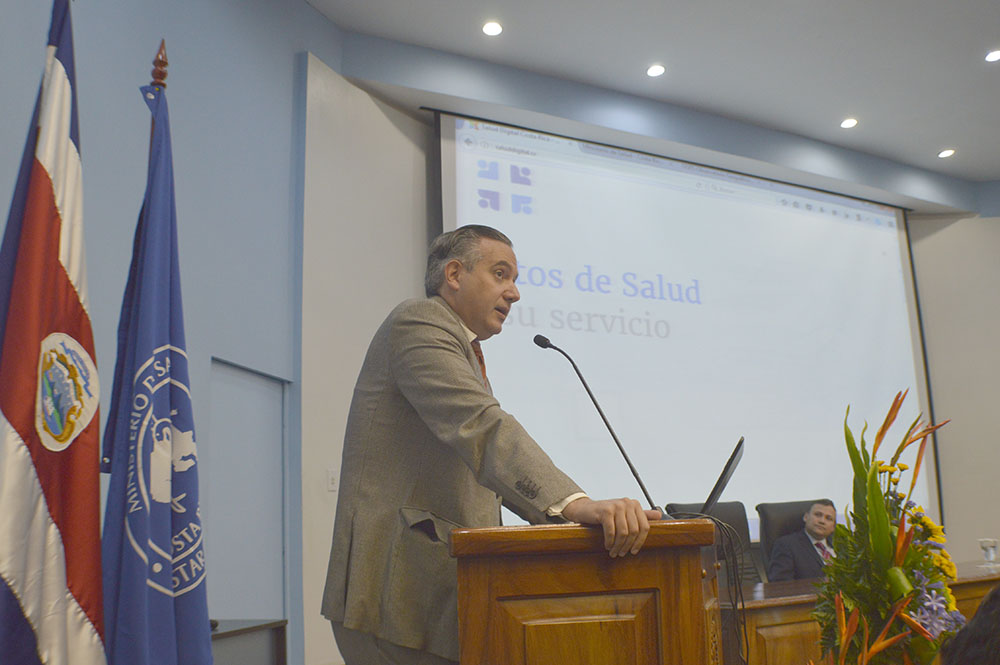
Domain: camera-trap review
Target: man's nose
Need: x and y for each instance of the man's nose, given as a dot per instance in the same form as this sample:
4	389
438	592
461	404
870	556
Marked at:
512	295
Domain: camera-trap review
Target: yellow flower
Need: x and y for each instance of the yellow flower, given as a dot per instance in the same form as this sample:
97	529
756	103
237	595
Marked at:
946	566
903	467
934	532
942	561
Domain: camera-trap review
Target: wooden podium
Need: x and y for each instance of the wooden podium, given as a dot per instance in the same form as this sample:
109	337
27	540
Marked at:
551	595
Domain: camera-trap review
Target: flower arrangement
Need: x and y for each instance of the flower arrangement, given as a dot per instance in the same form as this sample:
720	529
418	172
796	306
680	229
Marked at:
885	599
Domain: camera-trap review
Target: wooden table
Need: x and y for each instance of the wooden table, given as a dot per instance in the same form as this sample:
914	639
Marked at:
780	630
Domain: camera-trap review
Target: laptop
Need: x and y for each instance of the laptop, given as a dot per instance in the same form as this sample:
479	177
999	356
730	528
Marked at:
720	484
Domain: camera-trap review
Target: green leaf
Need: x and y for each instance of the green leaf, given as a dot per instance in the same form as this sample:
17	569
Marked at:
878	523
860	470
898	582
864	450
921	651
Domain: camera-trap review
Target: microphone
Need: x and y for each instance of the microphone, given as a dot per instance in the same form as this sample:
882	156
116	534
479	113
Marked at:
543	342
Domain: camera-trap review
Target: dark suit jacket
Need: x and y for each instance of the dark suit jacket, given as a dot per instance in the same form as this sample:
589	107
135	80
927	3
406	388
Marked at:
427	449
794	557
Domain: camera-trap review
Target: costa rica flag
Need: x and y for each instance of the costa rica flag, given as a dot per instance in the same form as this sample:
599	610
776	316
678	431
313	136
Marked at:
50	549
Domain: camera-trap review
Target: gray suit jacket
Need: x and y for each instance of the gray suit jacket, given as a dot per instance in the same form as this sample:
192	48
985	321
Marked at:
427	449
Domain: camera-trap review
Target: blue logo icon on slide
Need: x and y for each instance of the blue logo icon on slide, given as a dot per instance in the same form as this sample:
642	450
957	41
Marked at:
489	199
520	204
519	175
488	170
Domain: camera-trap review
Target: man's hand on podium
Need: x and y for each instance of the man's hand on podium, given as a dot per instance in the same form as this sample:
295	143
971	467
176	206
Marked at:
625	522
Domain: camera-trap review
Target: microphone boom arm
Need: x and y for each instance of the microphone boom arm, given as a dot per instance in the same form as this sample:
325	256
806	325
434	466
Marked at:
546	344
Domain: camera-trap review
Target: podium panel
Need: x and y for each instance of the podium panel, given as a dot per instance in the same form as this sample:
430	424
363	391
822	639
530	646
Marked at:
612	628
551	594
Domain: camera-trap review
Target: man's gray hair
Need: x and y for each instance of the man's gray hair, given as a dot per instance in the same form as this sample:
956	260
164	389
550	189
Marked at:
461	244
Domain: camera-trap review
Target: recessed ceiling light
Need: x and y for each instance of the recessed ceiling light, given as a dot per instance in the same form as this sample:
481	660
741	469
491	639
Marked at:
946	153
848	123
655	70
993	56
492	28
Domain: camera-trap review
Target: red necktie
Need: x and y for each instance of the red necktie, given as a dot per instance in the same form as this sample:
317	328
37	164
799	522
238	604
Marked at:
478	350
825	553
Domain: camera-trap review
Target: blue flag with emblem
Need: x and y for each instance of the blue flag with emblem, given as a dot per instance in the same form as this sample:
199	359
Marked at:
155	601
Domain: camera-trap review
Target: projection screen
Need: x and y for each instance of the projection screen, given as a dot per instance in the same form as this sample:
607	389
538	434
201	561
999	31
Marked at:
701	305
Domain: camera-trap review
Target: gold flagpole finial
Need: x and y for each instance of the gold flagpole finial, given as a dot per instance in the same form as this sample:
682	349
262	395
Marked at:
160	66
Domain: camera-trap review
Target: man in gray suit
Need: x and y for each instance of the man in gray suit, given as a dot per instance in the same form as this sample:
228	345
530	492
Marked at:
428	449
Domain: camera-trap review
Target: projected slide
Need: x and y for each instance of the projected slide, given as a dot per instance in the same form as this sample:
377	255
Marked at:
701	306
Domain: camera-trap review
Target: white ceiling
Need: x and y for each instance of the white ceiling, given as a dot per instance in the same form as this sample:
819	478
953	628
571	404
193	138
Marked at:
912	71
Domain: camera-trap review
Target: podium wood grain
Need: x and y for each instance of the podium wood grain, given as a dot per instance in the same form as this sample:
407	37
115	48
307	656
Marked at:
543	595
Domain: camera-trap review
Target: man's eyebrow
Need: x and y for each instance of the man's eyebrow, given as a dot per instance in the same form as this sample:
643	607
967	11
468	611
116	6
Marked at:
506	265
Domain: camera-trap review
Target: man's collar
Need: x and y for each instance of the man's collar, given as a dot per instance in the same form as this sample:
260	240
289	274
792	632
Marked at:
468	333
813	540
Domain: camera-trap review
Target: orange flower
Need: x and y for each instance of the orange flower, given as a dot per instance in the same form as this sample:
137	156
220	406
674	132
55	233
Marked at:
889	419
881	645
915	625
921	436
845	627
903	540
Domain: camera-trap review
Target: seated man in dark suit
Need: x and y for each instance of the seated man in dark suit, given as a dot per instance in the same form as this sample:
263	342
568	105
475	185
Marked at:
801	555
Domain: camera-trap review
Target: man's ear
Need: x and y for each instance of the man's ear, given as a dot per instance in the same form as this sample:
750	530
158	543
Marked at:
452	270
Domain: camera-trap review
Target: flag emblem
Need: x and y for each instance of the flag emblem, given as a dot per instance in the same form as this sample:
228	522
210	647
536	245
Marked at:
68	391
161	436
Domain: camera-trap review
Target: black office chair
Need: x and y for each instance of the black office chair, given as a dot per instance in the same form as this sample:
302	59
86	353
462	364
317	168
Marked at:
777	520
734	514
